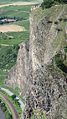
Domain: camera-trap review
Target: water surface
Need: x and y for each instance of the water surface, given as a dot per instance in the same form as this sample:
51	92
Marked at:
2	116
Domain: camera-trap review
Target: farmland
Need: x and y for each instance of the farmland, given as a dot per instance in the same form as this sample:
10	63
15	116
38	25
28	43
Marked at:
14	29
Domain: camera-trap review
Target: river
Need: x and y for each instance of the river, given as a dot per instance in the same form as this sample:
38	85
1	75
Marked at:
2	116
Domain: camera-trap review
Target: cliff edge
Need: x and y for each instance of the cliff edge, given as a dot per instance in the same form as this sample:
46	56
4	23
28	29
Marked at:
41	69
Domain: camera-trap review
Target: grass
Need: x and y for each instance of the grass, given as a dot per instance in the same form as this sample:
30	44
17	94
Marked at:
16	8
15	12
17	39
9	1
15	104
3	74
22	13
8	111
16	91
8	57
17	107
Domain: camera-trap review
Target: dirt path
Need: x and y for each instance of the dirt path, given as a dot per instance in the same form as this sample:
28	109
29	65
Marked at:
10	105
18	4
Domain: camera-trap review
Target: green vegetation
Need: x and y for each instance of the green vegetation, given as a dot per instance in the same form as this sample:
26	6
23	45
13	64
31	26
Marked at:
38	114
61	61
4	108
3	75
65	49
9	40
15	39
8	115
50	13
8	56
14	102
21	15
16	91
49	3
9	1
16	105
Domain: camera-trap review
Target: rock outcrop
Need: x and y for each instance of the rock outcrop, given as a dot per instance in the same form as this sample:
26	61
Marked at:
42	82
18	75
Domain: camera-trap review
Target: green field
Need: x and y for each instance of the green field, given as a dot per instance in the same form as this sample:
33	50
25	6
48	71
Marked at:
9	41
9	1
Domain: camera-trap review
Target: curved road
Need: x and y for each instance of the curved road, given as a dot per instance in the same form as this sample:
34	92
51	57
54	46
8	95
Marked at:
10	105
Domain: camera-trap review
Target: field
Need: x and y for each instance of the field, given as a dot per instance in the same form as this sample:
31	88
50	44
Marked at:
11	28
14	29
11	1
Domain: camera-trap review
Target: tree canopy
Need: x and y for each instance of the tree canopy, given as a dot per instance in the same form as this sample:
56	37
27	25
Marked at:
49	3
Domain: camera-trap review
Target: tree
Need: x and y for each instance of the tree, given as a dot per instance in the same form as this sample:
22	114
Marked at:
3	107
8	115
13	97
61	1
0	100
48	3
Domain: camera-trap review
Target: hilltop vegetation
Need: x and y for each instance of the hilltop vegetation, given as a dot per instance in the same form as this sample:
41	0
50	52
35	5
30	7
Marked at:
49	3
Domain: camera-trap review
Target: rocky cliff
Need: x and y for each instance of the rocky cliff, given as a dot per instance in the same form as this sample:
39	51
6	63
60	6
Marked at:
41	69
18	75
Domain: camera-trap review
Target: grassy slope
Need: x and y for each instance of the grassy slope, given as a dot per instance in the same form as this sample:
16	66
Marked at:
8	55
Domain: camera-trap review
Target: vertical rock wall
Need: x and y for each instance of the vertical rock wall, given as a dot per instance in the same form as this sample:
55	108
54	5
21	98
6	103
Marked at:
48	87
18	75
43	83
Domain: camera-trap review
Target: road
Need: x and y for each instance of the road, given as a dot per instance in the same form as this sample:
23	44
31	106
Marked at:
22	105
10	105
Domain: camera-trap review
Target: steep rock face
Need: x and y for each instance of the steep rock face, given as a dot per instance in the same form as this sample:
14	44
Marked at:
48	88
18	75
43	83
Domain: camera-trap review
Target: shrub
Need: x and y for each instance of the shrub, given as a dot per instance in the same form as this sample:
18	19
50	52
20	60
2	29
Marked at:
65	49
3	107
49	3
61	1
59	62
38	114
8	56
8	115
0	100
13	97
